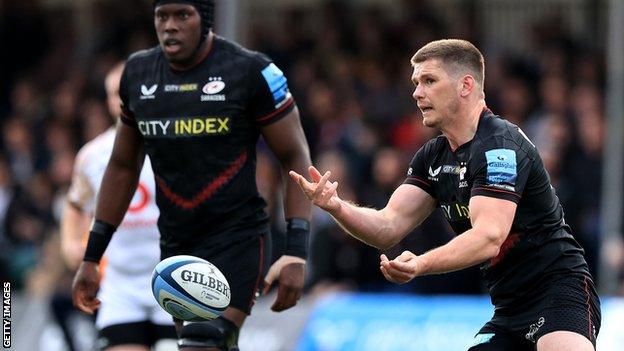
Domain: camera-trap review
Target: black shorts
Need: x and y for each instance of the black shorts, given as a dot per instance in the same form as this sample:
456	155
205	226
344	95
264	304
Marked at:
243	262
567	303
137	333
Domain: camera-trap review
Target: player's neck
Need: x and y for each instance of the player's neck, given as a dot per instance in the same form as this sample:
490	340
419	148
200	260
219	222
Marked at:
198	57
463	128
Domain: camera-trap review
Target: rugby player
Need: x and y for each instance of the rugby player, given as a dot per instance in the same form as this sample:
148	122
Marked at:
197	105
491	184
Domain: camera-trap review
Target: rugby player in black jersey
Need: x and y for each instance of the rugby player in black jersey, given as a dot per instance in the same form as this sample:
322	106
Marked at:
489	180
197	104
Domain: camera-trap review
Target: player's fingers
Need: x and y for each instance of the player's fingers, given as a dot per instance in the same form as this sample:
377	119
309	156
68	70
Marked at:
387	275
327	193
314	174
320	187
268	280
383	258
279	303
405	267
398	276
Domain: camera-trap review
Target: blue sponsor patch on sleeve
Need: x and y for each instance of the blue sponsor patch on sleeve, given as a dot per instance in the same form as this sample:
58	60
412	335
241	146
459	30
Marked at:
501	166
277	84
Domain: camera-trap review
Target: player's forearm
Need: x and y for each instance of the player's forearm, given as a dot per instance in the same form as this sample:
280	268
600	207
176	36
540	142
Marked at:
116	192
296	205
466	250
74	227
368	225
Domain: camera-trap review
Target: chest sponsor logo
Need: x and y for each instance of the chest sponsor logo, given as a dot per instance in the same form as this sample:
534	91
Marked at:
148	92
184	127
180	88
501	166
212	89
433	173
455	211
462	174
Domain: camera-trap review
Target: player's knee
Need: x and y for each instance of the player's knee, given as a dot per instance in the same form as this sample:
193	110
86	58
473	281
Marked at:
220	334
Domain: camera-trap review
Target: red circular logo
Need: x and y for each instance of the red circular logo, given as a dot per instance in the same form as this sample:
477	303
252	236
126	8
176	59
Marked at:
140	199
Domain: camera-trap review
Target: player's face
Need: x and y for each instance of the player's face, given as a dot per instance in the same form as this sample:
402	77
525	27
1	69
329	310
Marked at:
178	27
436	92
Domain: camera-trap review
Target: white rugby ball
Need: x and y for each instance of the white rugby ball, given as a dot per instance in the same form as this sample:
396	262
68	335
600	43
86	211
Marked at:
190	288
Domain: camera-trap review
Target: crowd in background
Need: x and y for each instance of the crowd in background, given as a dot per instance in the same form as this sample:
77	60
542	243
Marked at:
349	71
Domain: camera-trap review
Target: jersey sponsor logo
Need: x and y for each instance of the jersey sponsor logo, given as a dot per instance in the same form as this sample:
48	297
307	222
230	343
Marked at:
434	172
462	173
148	93
184	127
410	171
277	84
501	166
215	85
455	212
450	169
180	88
140	200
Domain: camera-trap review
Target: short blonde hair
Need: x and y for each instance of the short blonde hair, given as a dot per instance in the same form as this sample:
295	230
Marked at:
460	53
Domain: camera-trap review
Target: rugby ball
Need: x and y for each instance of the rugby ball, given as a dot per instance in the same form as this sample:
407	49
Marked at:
190	288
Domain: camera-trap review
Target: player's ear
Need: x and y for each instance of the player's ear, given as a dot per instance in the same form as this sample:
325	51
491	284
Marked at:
468	84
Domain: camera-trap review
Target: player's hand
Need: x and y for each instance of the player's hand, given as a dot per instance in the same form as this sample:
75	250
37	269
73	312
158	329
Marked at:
85	287
320	191
290	273
402	269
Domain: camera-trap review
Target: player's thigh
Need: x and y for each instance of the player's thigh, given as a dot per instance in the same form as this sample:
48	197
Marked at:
564	340
572	312
243	263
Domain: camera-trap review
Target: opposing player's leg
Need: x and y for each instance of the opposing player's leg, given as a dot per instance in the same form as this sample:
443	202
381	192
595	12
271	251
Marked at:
564	340
134	336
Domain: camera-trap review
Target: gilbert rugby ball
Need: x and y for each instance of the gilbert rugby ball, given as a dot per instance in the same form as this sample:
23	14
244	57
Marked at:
190	288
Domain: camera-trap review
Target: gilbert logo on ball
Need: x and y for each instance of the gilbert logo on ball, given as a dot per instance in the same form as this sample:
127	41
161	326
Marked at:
190	288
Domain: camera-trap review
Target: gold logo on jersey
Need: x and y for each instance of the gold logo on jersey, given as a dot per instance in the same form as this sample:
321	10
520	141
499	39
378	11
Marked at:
201	126
184	126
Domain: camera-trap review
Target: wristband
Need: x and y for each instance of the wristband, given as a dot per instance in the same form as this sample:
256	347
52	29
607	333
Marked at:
99	237
297	233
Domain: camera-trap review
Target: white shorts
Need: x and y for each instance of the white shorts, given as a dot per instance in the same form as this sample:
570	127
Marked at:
128	298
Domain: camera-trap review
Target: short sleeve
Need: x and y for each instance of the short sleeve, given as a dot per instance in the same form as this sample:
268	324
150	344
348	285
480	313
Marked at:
270	100
127	116
417	172
500	171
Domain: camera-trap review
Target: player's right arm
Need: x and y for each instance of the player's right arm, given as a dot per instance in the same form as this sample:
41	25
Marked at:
118	186
408	206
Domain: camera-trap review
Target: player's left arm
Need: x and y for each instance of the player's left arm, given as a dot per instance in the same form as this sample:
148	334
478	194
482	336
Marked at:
500	172
491	222
286	139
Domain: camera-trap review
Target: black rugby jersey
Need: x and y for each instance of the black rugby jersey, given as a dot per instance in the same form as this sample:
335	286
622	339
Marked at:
200	129
501	162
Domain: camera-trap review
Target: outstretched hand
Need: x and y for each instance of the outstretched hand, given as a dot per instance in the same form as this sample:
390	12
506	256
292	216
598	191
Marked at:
402	269
320	191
